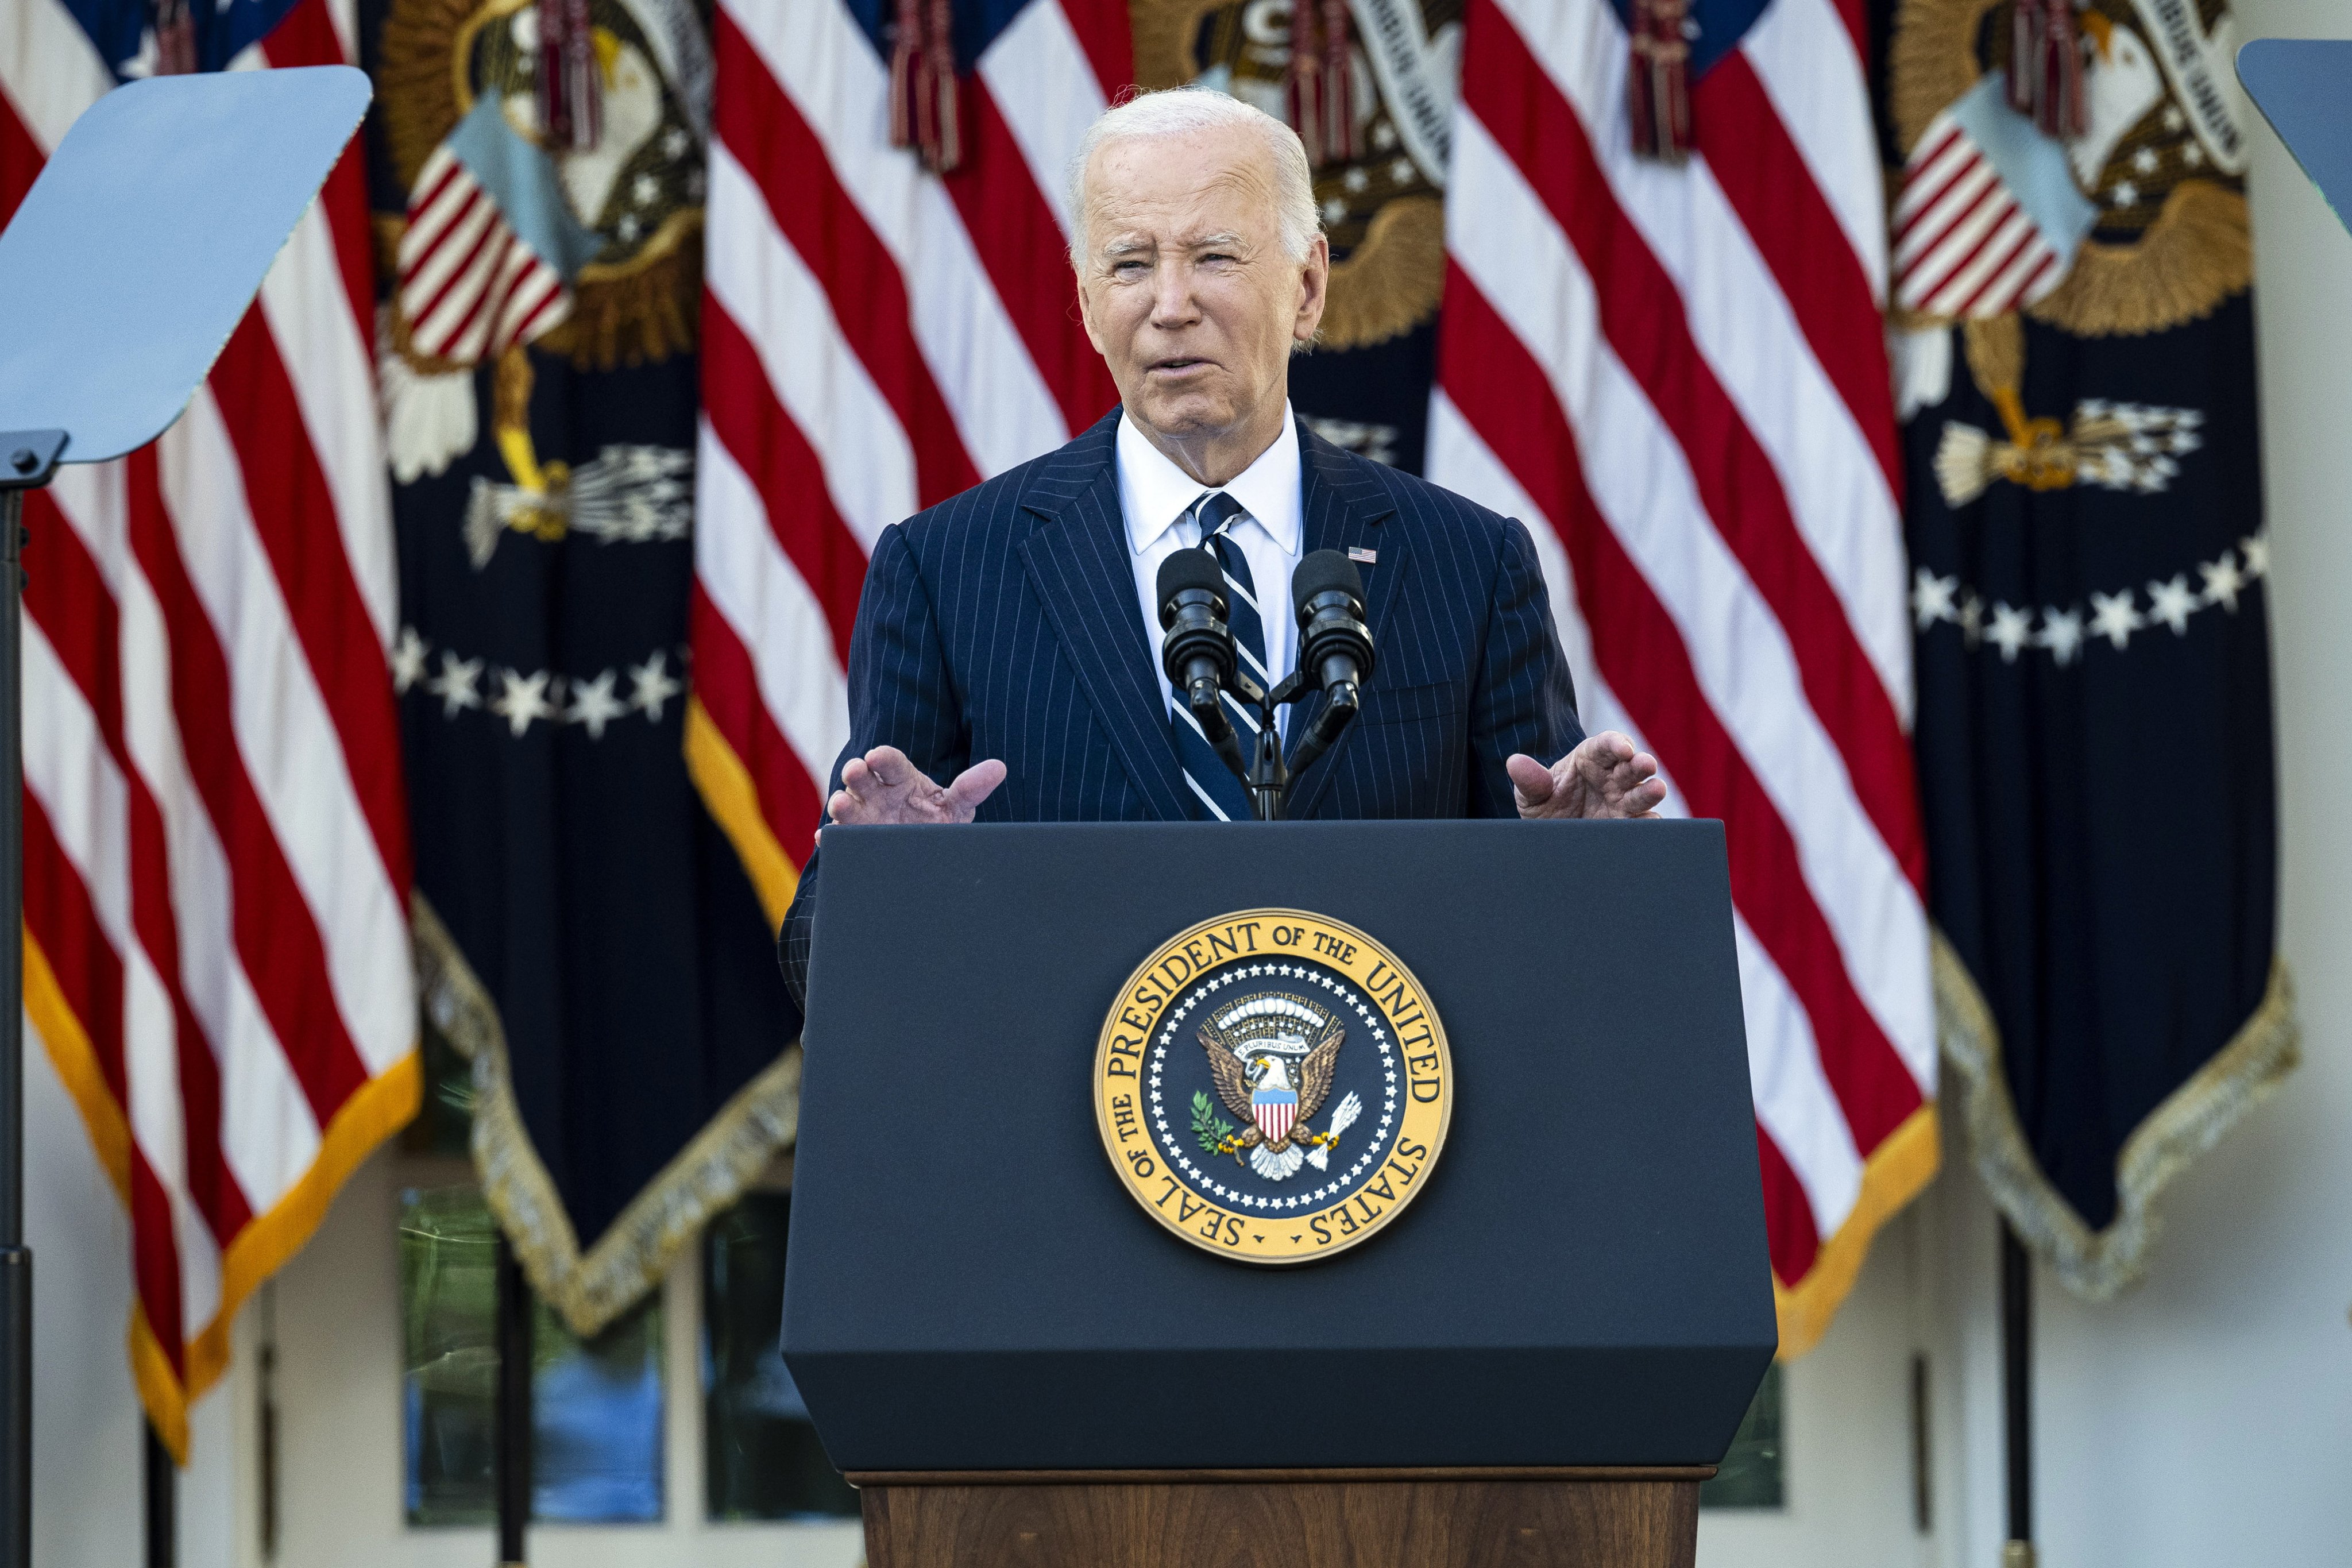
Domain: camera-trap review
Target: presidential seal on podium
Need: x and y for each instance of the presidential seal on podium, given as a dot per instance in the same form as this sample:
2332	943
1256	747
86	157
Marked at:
1273	1086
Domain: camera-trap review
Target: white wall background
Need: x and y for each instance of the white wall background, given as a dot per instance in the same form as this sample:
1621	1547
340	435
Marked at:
85	1422
2204	1420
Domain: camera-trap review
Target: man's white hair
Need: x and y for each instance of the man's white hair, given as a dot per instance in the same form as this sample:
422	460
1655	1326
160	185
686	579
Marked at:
1180	110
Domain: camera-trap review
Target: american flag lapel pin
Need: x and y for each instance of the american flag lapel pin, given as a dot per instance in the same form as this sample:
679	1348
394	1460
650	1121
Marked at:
1357	552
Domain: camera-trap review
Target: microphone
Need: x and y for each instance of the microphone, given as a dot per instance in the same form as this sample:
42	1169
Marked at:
1335	646
1198	654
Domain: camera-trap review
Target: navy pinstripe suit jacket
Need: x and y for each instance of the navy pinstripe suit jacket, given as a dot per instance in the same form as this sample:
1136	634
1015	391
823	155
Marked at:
1004	623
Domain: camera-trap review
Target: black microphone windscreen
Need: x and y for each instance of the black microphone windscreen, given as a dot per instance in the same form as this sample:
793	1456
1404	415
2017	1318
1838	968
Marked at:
1190	569
1322	571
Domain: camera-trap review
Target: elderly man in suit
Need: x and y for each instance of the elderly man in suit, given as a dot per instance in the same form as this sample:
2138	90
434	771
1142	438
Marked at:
1005	664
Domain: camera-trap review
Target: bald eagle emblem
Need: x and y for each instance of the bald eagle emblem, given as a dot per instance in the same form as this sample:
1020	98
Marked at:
1272	1058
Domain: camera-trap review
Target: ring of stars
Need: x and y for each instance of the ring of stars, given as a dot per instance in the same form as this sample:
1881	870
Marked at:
520	699
2063	632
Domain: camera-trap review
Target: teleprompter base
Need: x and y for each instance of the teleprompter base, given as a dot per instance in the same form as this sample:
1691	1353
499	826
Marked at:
1526	1517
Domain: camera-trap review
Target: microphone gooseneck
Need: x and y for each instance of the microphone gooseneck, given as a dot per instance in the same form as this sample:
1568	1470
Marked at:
1198	654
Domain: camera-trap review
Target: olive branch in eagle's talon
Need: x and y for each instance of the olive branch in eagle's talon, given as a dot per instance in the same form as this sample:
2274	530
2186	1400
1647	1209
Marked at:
1214	1133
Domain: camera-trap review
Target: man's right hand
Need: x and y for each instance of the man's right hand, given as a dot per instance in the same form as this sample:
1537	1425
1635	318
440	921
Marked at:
883	787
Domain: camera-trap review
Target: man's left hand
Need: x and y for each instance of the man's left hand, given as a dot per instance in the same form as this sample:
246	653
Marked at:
1604	776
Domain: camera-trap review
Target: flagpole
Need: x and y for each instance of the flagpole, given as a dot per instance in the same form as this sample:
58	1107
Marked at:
511	1439
28	458
2017	1369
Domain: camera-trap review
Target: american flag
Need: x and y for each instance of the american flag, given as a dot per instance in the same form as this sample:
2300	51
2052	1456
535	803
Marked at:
1675	374
876	338
216	844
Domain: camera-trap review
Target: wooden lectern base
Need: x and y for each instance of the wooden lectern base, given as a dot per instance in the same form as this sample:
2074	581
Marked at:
1593	1518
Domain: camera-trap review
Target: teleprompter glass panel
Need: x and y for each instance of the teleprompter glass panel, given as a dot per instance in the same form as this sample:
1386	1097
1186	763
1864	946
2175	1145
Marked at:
761	1458
596	1406
1750	1474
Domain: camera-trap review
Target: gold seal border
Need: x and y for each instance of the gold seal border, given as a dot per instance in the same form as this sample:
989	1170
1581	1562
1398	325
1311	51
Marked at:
1367	953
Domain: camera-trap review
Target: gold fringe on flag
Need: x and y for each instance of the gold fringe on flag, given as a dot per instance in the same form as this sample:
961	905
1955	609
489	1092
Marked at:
2097	1265
1898	1171
706	1178
376	1110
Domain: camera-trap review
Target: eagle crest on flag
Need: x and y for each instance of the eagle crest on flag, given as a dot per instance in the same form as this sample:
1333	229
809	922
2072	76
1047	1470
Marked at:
2120	176
553	156
1272	1058
2103	195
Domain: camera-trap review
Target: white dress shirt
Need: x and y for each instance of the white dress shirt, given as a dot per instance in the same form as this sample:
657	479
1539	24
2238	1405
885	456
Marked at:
1154	496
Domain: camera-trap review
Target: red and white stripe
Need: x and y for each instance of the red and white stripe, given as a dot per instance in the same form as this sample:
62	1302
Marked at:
875	339
469	285
1963	246
216	851
1675	377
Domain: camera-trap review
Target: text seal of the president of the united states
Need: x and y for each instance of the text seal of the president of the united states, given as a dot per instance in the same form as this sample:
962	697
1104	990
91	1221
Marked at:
1273	1086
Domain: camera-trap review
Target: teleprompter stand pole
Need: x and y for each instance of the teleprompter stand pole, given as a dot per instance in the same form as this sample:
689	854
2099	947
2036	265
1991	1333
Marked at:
512	1437
2017	1389
28	458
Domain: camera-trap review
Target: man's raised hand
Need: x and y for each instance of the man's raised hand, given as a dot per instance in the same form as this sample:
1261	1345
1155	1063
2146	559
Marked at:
1604	776
883	787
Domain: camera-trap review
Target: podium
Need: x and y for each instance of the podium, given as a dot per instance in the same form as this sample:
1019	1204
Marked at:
1533	1358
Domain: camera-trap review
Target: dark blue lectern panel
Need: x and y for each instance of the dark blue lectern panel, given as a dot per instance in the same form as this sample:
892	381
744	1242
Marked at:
1584	1281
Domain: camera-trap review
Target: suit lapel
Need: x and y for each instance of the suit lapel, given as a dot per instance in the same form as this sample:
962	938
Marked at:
1079	562
1344	508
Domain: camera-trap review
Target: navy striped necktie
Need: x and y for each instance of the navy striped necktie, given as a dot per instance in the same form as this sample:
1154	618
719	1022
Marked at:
1217	795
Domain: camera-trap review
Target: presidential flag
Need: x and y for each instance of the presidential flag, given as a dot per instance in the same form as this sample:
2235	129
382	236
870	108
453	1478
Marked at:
584	932
1670	366
216	855
2089	576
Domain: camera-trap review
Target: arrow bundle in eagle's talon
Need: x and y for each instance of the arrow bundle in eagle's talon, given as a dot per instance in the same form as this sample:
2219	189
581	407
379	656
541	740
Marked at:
1341	1119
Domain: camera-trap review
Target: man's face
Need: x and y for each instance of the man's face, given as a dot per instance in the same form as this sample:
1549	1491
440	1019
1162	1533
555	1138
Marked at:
1185	286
